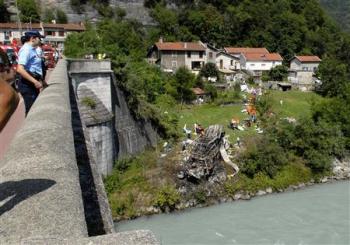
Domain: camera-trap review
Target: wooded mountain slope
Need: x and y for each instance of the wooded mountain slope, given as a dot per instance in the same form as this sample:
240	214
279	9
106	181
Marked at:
340	11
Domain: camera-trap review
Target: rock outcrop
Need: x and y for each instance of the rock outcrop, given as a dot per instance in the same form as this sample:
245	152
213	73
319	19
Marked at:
134	10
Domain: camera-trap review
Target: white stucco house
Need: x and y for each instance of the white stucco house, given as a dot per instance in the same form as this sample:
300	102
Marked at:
54	33
259	61
225	61
211	52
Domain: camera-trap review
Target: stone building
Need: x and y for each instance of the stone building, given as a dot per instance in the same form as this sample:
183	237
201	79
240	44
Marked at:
170	56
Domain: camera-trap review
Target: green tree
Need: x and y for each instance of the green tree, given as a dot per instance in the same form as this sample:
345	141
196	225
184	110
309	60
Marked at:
183	82
4	14
48	16
61	17
29	11
278	73
334	77
209	70
167	21
263	155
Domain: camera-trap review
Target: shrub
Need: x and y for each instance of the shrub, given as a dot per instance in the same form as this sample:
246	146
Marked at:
211	89
124	206
209	70
200	196
228	97
88	101
316	142
264	156
278	73
112	183
167	197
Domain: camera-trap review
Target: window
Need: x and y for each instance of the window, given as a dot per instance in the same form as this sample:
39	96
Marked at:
50	33
174	54
210	55
61	33
252	64
174	64
196	65
201	54
305	68
263	64
231	62
7	34
188	54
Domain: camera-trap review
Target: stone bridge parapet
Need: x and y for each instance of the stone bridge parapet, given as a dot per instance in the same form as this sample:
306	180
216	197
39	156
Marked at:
41	197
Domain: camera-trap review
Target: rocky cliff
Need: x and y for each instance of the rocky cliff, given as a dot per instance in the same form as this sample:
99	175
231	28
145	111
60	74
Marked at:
134	10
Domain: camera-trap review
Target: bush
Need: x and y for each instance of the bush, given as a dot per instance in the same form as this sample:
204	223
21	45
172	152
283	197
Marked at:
263	155
200	196
124	206
167	197
291	174
209	70
316	142
278	73
112	183
211	89
88	101
228	97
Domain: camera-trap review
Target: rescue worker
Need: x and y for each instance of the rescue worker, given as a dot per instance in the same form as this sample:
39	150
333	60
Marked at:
30	69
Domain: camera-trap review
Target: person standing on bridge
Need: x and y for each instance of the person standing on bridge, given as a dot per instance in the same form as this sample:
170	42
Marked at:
30	69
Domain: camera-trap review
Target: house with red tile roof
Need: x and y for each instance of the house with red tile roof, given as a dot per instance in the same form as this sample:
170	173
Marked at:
305	63
237	51
302	69
54	33
255	59
172	55
260	61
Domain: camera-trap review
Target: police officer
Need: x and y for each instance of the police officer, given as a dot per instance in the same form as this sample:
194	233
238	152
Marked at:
30	68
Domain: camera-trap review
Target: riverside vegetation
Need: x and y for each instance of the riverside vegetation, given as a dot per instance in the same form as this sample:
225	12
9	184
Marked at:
285	154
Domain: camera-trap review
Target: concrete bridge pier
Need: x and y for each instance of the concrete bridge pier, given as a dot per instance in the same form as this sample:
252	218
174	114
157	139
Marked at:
91	81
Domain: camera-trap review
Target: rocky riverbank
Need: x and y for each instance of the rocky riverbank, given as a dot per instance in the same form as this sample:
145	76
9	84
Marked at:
340	172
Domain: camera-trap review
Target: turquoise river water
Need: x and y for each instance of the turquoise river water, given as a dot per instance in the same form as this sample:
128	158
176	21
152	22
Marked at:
315	215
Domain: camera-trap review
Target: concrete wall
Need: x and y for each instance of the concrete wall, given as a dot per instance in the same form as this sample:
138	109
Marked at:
41	181
132	136
100	84
95	75
102	142
39	175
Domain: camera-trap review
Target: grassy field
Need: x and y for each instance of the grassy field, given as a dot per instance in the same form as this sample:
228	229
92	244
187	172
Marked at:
295	104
